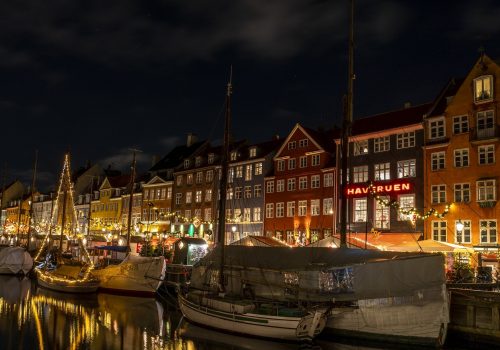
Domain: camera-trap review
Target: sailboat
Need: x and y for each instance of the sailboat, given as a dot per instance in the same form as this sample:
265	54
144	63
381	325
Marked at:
209	303
135	275
69	277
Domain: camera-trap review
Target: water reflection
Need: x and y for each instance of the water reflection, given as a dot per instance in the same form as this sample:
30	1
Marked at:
34	318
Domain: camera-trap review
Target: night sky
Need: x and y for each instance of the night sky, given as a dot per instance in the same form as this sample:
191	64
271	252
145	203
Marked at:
99	77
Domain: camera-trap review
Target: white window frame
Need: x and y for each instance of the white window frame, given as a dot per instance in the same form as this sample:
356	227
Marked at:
438	161
292	163
360	209
382	171
381	144
270	186
480	94
303	183
303	161
360	174
315	207
407	168
487	229
292	145
486	154
290	209
406	204
280	185
302	205
328	180
315	159
360	147
280	209
382	217
327	206
315	181
439	230
461	158
303	143
290	184
486	190
405	140
280	165
464	236
438	192
461	191
460	124
269	210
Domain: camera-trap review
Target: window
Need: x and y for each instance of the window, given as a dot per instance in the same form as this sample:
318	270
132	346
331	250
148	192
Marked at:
382	171
229	193
439	231
463	236
315	181
461	157
290	209
186	163
486	190
178	198
163	193
199	177
438	194
315	159
146	194
248	172
406	203
303	161
382	213
246	215
360	174
197	161
248	191
233	156
256	214
239	171
437	160
437	129
269	210
198	197
280	165
291	184
359	209
327	206
406	140
302	208
303	143
360	147
208	195
483	88
189	196
406	168
253	152
381	144
292	145
197	213
328	180
280	185
270	186
189	179
211	158
462	192
258	168
291	163
460	124
280	210
208	214
210	176
169	192
486	154
303	183
315	210
488	231
237	193
257	191
179	180
485	124
187	213
237	215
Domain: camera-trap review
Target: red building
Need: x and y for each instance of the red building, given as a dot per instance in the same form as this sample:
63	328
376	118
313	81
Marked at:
300	194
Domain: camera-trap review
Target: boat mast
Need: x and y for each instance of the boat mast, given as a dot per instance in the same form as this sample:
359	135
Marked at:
131	197
221	227
63	219
90	204
346	131
2	195
31	200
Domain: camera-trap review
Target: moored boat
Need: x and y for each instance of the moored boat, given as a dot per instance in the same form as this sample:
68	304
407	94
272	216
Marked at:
15	260
67	279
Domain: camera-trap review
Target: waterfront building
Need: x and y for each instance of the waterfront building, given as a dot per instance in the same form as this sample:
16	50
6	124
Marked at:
300	192
156	204
107	208
385	151
10	192
42	211
462	152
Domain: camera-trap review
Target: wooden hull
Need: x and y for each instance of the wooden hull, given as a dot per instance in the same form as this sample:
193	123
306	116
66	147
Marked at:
424	324
79	287
275	327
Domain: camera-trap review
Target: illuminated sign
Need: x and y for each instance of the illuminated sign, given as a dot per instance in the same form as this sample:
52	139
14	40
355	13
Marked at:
379	188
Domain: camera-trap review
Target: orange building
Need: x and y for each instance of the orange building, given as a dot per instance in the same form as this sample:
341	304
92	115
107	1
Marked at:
462	160
156	205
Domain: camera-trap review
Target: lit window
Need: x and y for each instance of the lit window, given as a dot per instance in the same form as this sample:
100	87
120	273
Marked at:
483	88
239	171
382	171
257	191
360	174
302	208
248	172
382	213
253	152
256	214
189	179
406	168
360	147
258	168
359	209
189	196
327	206
464	235
439	231
406	203
315	210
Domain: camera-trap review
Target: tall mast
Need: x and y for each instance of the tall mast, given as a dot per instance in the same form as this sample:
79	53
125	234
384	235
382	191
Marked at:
90	204
346	130
2	195
131	197
31	201
221	227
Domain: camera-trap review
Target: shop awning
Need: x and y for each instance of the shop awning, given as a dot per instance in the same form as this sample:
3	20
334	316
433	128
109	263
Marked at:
113	248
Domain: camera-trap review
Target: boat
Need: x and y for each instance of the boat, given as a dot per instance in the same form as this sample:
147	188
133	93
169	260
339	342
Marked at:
68	279
212	301
135	275
15	261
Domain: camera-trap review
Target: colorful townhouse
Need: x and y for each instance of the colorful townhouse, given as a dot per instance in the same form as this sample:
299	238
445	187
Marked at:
462	152
300	193
249	165
9	193
156	204
107	209
385	177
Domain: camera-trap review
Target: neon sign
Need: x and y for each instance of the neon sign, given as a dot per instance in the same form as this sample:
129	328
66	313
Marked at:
396	187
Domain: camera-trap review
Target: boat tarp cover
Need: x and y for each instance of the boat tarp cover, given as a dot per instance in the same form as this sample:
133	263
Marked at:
375	273
15	260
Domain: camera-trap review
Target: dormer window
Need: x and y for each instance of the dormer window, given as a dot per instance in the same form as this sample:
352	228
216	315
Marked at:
234	155
197	161
292	145
186	163
253	152
211	158
483	88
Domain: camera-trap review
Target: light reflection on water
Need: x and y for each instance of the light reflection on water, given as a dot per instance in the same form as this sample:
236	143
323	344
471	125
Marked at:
35	318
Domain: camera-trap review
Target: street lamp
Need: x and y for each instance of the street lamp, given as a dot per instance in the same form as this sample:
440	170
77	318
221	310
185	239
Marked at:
460	225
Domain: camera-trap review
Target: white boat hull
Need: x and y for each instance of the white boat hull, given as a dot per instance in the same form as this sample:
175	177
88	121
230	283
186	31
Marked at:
67	287
133	276
14	261
424	324
276	327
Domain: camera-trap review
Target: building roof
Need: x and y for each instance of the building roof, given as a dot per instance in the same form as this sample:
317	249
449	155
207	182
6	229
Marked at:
390	120
119	181
176	156
442	100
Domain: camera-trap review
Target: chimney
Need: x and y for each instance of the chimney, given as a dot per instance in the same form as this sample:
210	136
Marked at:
155	159
191	139
407	105
276	137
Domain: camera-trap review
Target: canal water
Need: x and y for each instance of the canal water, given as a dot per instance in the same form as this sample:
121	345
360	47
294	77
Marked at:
35	318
